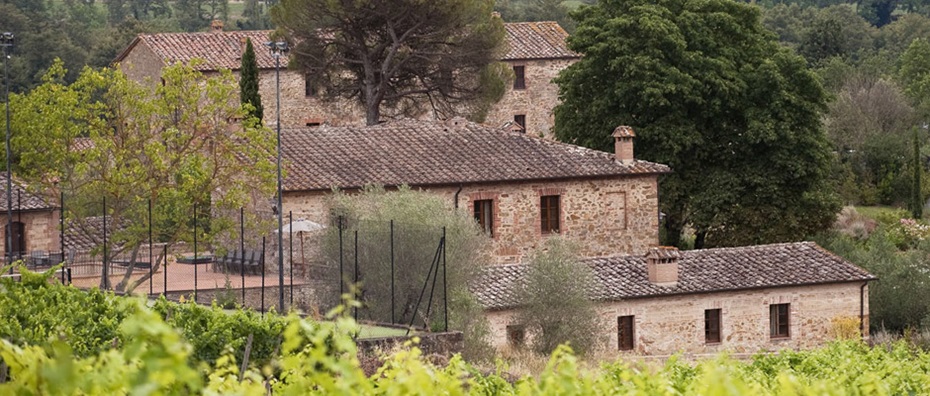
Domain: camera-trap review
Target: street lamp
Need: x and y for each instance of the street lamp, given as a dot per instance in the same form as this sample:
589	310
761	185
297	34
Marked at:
6	41
278	49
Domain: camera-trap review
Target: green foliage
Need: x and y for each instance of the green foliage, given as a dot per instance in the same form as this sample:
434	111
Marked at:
248	82
896	254
917	199
708	92
36	313
419	218
175	144
399	57
556	307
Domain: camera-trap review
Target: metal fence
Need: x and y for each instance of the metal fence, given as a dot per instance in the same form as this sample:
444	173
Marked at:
398	271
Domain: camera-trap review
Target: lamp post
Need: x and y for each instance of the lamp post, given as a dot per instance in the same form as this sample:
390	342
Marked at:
6	41
279	48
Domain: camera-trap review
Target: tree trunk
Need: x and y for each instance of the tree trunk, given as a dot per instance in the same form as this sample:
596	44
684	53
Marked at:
673	227
157	264
121	286
699	237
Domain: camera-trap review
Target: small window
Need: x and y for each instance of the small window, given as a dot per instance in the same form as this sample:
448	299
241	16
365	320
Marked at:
520	119
625	333
516	335
313	124
484	214
778	320
549	213
711	326
519	81
309	87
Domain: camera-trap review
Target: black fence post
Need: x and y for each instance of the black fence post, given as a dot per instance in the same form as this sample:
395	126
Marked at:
151	256
165	288
392	272
195	252
263	277
357	291
241	250
290	218
61	236
106	267
445	292
341	274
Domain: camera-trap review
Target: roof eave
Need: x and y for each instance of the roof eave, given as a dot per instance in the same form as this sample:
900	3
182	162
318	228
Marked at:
869	279
474	182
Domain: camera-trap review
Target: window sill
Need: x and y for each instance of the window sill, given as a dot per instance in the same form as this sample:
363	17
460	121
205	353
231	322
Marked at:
712	343
780	338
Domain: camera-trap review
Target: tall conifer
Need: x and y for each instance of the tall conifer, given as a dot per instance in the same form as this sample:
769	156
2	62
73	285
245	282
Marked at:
248	81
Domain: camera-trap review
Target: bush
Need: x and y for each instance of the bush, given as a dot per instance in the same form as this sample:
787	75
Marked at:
556	308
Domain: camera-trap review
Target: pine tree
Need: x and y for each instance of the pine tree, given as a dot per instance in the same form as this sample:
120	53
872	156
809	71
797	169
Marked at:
248	82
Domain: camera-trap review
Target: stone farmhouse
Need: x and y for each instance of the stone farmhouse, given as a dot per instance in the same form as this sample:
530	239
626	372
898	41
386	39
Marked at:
740	300
536	52
520	188
35	222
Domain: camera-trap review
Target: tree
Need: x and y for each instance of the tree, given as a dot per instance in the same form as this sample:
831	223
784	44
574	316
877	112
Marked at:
248	82
917	199
195	15
173	144
709	93
416	220
254	16
400	56
556	307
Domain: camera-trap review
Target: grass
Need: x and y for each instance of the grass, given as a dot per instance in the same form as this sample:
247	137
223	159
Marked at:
880	213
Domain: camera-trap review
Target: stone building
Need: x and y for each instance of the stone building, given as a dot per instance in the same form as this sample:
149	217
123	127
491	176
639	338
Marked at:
35	222
536	52
740	300
520	188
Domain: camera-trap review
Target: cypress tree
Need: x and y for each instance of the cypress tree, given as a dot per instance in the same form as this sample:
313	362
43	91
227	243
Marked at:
917	209
248	81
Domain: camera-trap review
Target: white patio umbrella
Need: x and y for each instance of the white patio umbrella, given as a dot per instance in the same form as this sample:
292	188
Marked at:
300	226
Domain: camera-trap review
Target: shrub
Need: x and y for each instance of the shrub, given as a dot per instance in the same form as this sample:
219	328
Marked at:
556	308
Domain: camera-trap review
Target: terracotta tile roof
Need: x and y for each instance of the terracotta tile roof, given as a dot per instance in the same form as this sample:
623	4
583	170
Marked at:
700	271
222	50
436	153
537	40
22	198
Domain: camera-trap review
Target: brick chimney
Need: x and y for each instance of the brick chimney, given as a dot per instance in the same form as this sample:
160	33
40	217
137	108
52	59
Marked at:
662	265
623	144
216	25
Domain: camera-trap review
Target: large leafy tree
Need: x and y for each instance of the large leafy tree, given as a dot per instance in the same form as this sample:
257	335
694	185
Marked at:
107	137
710	93
403	55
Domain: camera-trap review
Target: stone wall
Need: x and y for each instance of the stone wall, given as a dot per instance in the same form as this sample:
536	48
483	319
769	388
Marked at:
536	102
142	63
41	230
299	109
605	216
444	344
675	324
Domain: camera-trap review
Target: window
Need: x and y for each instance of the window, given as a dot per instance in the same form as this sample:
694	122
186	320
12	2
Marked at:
309	87
778	320
484	214
18	239
516	335
711	325
520	119
519	81
312	124
625	333
549	213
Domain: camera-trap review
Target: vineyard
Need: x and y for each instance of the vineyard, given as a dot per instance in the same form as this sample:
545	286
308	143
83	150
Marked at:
60	340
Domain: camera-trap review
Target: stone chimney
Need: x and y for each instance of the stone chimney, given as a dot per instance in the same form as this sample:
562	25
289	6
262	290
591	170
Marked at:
662	265
623	144
216	25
